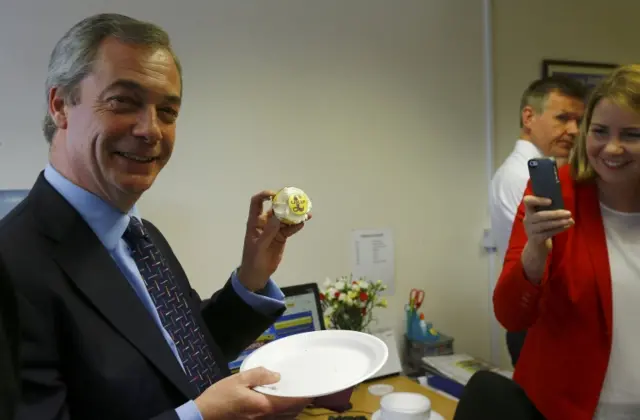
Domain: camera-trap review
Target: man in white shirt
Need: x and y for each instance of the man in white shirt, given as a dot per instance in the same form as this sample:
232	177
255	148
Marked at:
550	114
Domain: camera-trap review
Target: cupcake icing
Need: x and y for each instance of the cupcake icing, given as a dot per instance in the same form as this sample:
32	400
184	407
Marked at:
291	205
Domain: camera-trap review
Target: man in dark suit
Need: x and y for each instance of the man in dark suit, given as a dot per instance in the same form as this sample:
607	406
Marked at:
111	328
9	339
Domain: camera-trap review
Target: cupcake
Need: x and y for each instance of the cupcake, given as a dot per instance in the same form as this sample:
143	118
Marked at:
291	205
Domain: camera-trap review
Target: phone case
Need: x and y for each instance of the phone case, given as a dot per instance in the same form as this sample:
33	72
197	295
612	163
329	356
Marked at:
545	182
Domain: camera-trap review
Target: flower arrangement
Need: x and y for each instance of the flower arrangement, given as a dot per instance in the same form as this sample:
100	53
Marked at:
348	303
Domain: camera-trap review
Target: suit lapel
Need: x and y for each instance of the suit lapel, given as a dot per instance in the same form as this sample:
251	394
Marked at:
593	235
90	267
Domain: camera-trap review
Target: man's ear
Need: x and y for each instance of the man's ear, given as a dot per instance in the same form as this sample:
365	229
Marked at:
58	108
527	115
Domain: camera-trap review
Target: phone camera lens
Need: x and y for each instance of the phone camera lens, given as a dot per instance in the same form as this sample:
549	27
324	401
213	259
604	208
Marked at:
533	163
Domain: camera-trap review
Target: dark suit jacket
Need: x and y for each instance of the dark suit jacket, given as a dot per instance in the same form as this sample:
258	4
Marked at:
90	350
9	339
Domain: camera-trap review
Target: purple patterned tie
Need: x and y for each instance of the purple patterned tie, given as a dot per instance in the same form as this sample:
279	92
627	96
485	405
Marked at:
175	314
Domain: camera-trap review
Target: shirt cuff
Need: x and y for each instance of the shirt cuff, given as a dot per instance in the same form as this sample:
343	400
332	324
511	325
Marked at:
268	301
189	411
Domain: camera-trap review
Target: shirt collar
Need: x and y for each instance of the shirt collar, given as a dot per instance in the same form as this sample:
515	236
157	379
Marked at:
106	221
528	149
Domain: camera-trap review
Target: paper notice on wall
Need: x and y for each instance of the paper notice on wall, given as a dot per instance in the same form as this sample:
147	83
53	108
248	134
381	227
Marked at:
372	256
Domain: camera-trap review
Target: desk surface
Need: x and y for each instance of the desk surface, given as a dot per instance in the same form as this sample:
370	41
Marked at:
366	404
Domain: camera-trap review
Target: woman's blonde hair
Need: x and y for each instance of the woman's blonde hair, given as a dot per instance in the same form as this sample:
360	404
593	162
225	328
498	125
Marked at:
622	87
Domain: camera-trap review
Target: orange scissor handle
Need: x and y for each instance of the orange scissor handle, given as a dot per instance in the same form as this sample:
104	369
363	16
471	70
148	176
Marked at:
416	296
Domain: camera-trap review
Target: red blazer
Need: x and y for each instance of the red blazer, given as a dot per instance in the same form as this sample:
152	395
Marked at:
564	360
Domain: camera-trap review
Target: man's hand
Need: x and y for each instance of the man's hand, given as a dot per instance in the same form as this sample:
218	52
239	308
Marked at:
263	243
233	399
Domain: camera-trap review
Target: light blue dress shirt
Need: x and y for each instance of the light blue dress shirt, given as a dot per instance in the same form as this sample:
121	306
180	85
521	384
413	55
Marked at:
109	224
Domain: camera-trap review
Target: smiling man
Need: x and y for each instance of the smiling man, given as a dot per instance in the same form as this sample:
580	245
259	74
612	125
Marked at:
111	328
550	113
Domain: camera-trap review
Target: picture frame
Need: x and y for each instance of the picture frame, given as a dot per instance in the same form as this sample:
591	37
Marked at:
589	73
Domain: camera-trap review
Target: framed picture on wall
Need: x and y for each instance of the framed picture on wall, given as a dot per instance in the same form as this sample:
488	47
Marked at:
587	72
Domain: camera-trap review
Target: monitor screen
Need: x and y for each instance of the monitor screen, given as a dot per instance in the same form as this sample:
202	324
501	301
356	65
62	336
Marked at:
9	199
303	314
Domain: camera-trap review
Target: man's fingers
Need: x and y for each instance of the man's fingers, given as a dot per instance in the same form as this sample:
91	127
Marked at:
269	231
261	221
255	209
289	230
257	377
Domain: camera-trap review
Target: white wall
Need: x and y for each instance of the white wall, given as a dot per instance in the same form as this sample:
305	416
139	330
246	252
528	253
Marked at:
525	33
374	107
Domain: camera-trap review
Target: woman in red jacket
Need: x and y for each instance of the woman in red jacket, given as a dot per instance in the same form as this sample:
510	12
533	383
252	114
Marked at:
572	277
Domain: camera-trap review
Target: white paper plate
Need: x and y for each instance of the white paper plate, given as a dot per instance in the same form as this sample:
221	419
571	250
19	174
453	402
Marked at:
434	416
318	363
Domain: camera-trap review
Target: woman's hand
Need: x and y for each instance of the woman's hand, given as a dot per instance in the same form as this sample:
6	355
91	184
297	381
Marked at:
540	227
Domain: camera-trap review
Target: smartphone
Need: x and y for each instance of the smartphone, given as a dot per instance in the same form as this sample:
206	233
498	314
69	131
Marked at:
543	173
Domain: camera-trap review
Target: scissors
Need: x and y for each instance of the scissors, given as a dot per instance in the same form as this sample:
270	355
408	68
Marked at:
416	296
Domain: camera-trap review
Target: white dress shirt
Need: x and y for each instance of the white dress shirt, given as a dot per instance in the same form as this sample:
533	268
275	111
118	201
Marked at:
507	188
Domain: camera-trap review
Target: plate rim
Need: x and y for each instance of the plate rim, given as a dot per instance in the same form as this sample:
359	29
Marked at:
372	337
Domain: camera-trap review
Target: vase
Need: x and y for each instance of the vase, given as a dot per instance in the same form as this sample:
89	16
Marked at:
348	318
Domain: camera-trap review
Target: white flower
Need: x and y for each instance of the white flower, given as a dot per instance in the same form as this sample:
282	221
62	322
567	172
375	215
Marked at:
328	282
331	292
342	297
355	287
349	301
339	285
363	285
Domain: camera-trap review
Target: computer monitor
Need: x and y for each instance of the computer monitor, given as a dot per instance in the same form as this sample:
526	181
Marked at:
303	314
9	199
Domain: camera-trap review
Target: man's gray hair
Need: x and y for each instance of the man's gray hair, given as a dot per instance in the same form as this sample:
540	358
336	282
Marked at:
538	91
73	56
